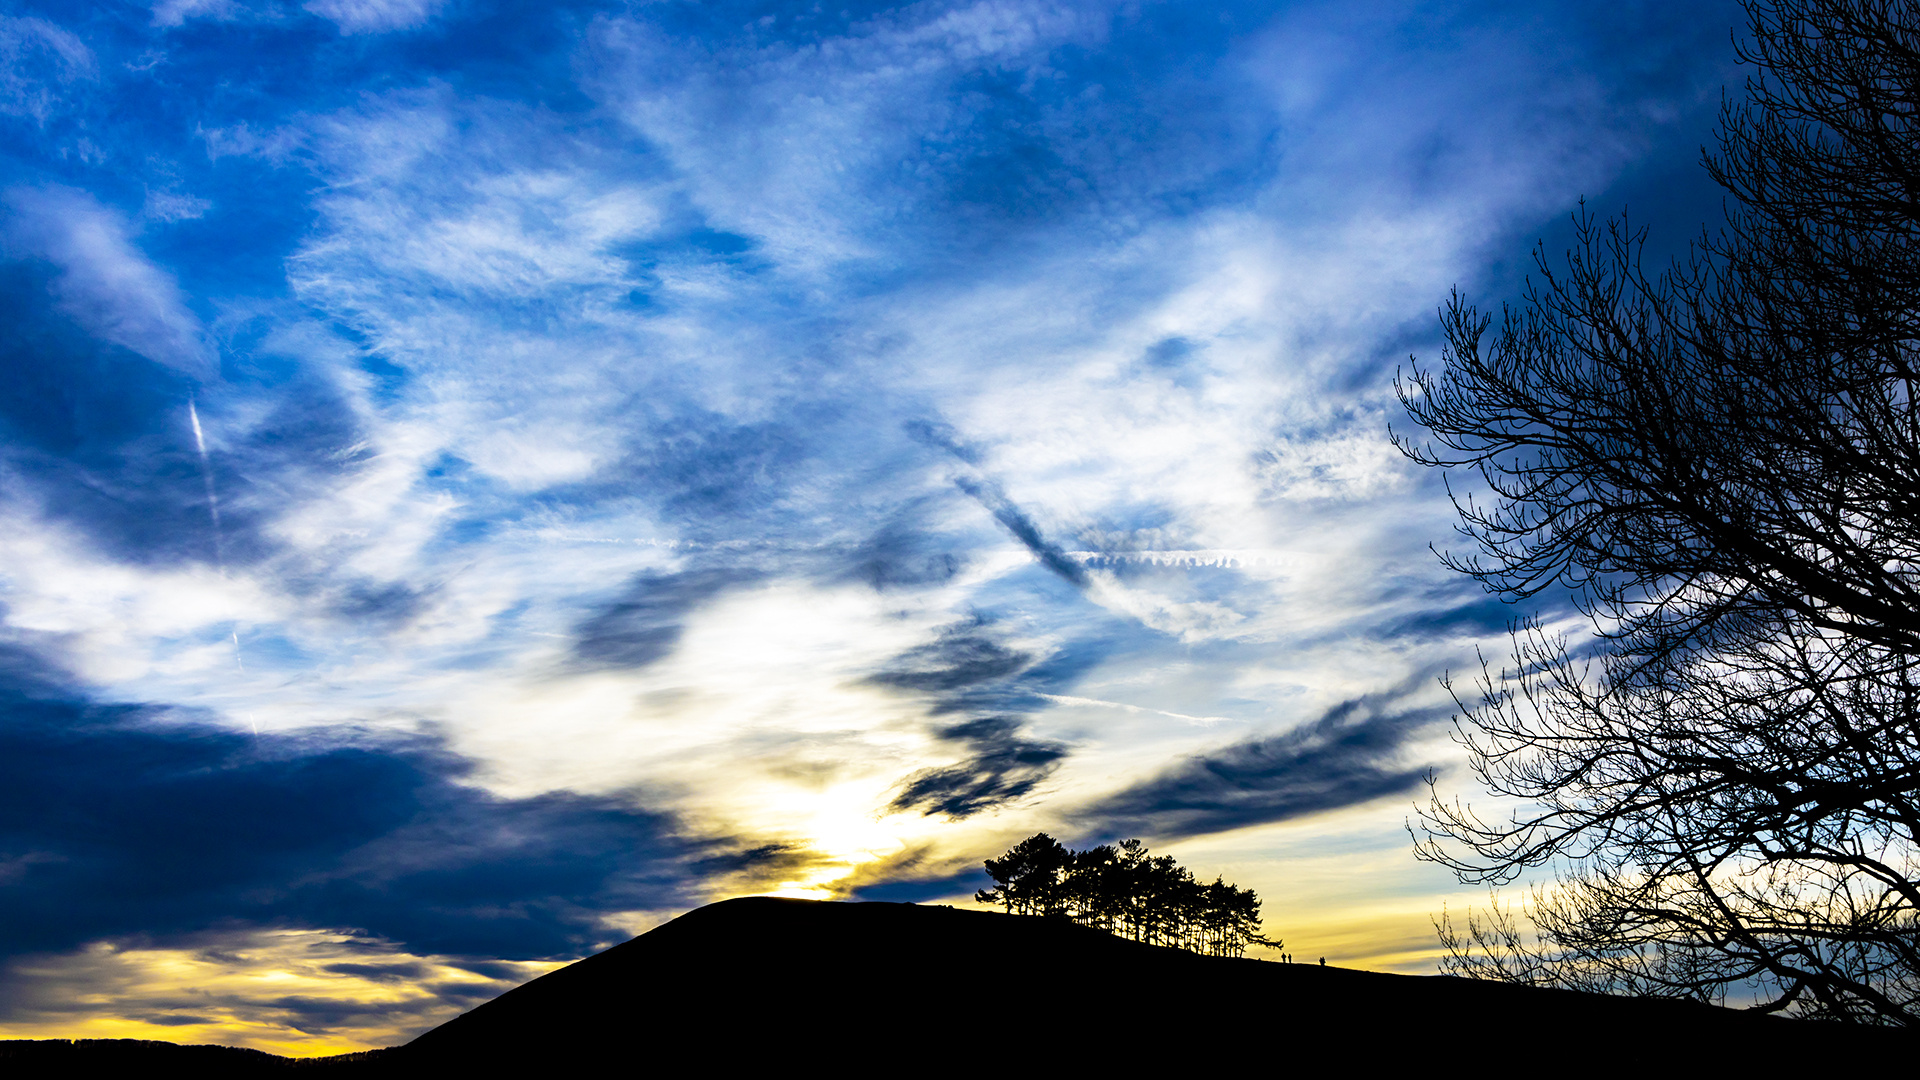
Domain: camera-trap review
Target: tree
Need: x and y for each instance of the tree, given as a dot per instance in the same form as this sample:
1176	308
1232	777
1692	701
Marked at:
1027	877
1721	465
1123	890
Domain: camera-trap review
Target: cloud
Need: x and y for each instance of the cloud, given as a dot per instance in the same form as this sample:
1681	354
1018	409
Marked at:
1345	458
957	667
323	992
106	284
38	60
375	16
1353	753
1477	619
116	822
915	875
966	671
642	626
988	493
840	138
1024	530
170	13
902	554
1003	767
96	439
702	466
970	667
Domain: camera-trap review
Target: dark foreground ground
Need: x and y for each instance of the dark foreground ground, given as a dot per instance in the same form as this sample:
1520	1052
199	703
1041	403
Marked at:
863	989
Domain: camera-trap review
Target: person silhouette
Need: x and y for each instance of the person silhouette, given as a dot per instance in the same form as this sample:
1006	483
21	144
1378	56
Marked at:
1323	961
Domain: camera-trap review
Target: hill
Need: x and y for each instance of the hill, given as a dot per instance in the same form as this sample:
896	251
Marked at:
822	986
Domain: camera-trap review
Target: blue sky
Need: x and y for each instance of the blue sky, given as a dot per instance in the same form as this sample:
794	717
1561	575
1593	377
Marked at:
478	479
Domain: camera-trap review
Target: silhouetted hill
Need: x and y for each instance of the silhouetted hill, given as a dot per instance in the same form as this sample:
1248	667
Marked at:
769	981
132	1057
862	988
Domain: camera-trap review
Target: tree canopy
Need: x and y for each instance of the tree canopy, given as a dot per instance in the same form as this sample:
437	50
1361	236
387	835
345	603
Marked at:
1123	890
1720	462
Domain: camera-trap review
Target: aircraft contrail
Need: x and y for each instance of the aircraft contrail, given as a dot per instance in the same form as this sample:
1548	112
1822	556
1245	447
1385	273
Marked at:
206	474
213	513
1062	699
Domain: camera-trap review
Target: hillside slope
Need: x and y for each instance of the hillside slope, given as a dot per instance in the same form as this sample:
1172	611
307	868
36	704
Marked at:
769	982
819	987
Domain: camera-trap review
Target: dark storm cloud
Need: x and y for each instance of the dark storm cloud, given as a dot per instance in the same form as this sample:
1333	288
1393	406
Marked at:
644	625
114	823
1352	754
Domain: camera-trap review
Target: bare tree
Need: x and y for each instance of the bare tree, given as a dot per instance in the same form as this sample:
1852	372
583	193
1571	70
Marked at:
1721	463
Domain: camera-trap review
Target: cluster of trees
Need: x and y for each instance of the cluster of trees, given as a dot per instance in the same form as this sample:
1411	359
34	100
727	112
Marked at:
1721	464
1121	889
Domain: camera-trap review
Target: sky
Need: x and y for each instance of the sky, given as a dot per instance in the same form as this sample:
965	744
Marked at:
481	478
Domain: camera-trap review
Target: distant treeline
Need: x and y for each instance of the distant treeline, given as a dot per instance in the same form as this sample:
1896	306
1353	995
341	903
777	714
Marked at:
1122	890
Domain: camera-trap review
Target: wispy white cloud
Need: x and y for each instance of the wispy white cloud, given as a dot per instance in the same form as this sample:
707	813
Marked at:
787	143
106	283
38	60
171	13
375	16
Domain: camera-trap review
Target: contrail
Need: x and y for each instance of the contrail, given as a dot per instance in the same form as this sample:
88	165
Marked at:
1007	513
941	436
1062	699
213	513
206	474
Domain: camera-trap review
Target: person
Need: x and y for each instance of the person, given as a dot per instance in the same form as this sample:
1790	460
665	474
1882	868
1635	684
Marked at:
1323	961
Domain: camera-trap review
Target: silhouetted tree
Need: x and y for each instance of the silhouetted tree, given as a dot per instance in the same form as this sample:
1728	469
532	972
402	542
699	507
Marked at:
1125	891
1028	877
1722	464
